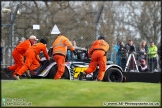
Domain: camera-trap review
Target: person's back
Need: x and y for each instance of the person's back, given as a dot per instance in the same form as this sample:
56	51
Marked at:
97	52
115	57
39	47
60	45
123	52
23	46
99	45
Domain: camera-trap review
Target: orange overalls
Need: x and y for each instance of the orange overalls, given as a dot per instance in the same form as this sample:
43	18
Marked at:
32	59
59	53
98	57
18	55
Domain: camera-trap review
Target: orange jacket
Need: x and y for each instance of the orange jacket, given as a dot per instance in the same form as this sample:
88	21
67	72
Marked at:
38	47
23	46
60	45
99	44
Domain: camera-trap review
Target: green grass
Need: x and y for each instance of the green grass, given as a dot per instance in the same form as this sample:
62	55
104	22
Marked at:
48	92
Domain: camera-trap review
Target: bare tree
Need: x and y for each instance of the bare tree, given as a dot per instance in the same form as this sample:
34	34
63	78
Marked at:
144	18
119	21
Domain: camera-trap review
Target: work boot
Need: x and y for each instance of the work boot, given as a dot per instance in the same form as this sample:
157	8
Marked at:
27	73
16	77
82	75
98	80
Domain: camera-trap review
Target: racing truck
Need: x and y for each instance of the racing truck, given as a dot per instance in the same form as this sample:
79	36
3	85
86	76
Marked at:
76	63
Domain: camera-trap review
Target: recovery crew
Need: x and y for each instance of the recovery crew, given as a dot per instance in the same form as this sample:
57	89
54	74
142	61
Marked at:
97	52
60	46
32	59
18	54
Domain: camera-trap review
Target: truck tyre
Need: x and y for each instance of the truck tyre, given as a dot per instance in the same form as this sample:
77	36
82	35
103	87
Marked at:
113	75
53	71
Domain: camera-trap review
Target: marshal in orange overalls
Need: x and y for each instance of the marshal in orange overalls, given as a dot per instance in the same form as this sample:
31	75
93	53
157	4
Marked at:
59	53
31	55
18	54
98	57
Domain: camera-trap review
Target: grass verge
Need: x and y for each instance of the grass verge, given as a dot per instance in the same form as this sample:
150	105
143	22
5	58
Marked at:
48	92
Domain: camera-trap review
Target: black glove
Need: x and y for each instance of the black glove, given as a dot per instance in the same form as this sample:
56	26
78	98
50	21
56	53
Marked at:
105	54
75	53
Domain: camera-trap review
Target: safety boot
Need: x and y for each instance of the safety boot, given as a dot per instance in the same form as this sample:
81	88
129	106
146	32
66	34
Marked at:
27	73
98	80
82	75
16	77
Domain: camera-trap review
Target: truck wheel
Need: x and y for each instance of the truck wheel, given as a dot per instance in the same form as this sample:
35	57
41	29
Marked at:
53	71
113	75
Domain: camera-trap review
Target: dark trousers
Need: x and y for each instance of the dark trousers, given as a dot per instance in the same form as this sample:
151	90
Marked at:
123	63
131	66
152	63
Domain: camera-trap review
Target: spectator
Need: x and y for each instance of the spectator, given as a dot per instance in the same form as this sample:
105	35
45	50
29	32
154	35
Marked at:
123	53
142	51
143	66
159	54
131	48
74	43
152	57
32	58
115	54
97	52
